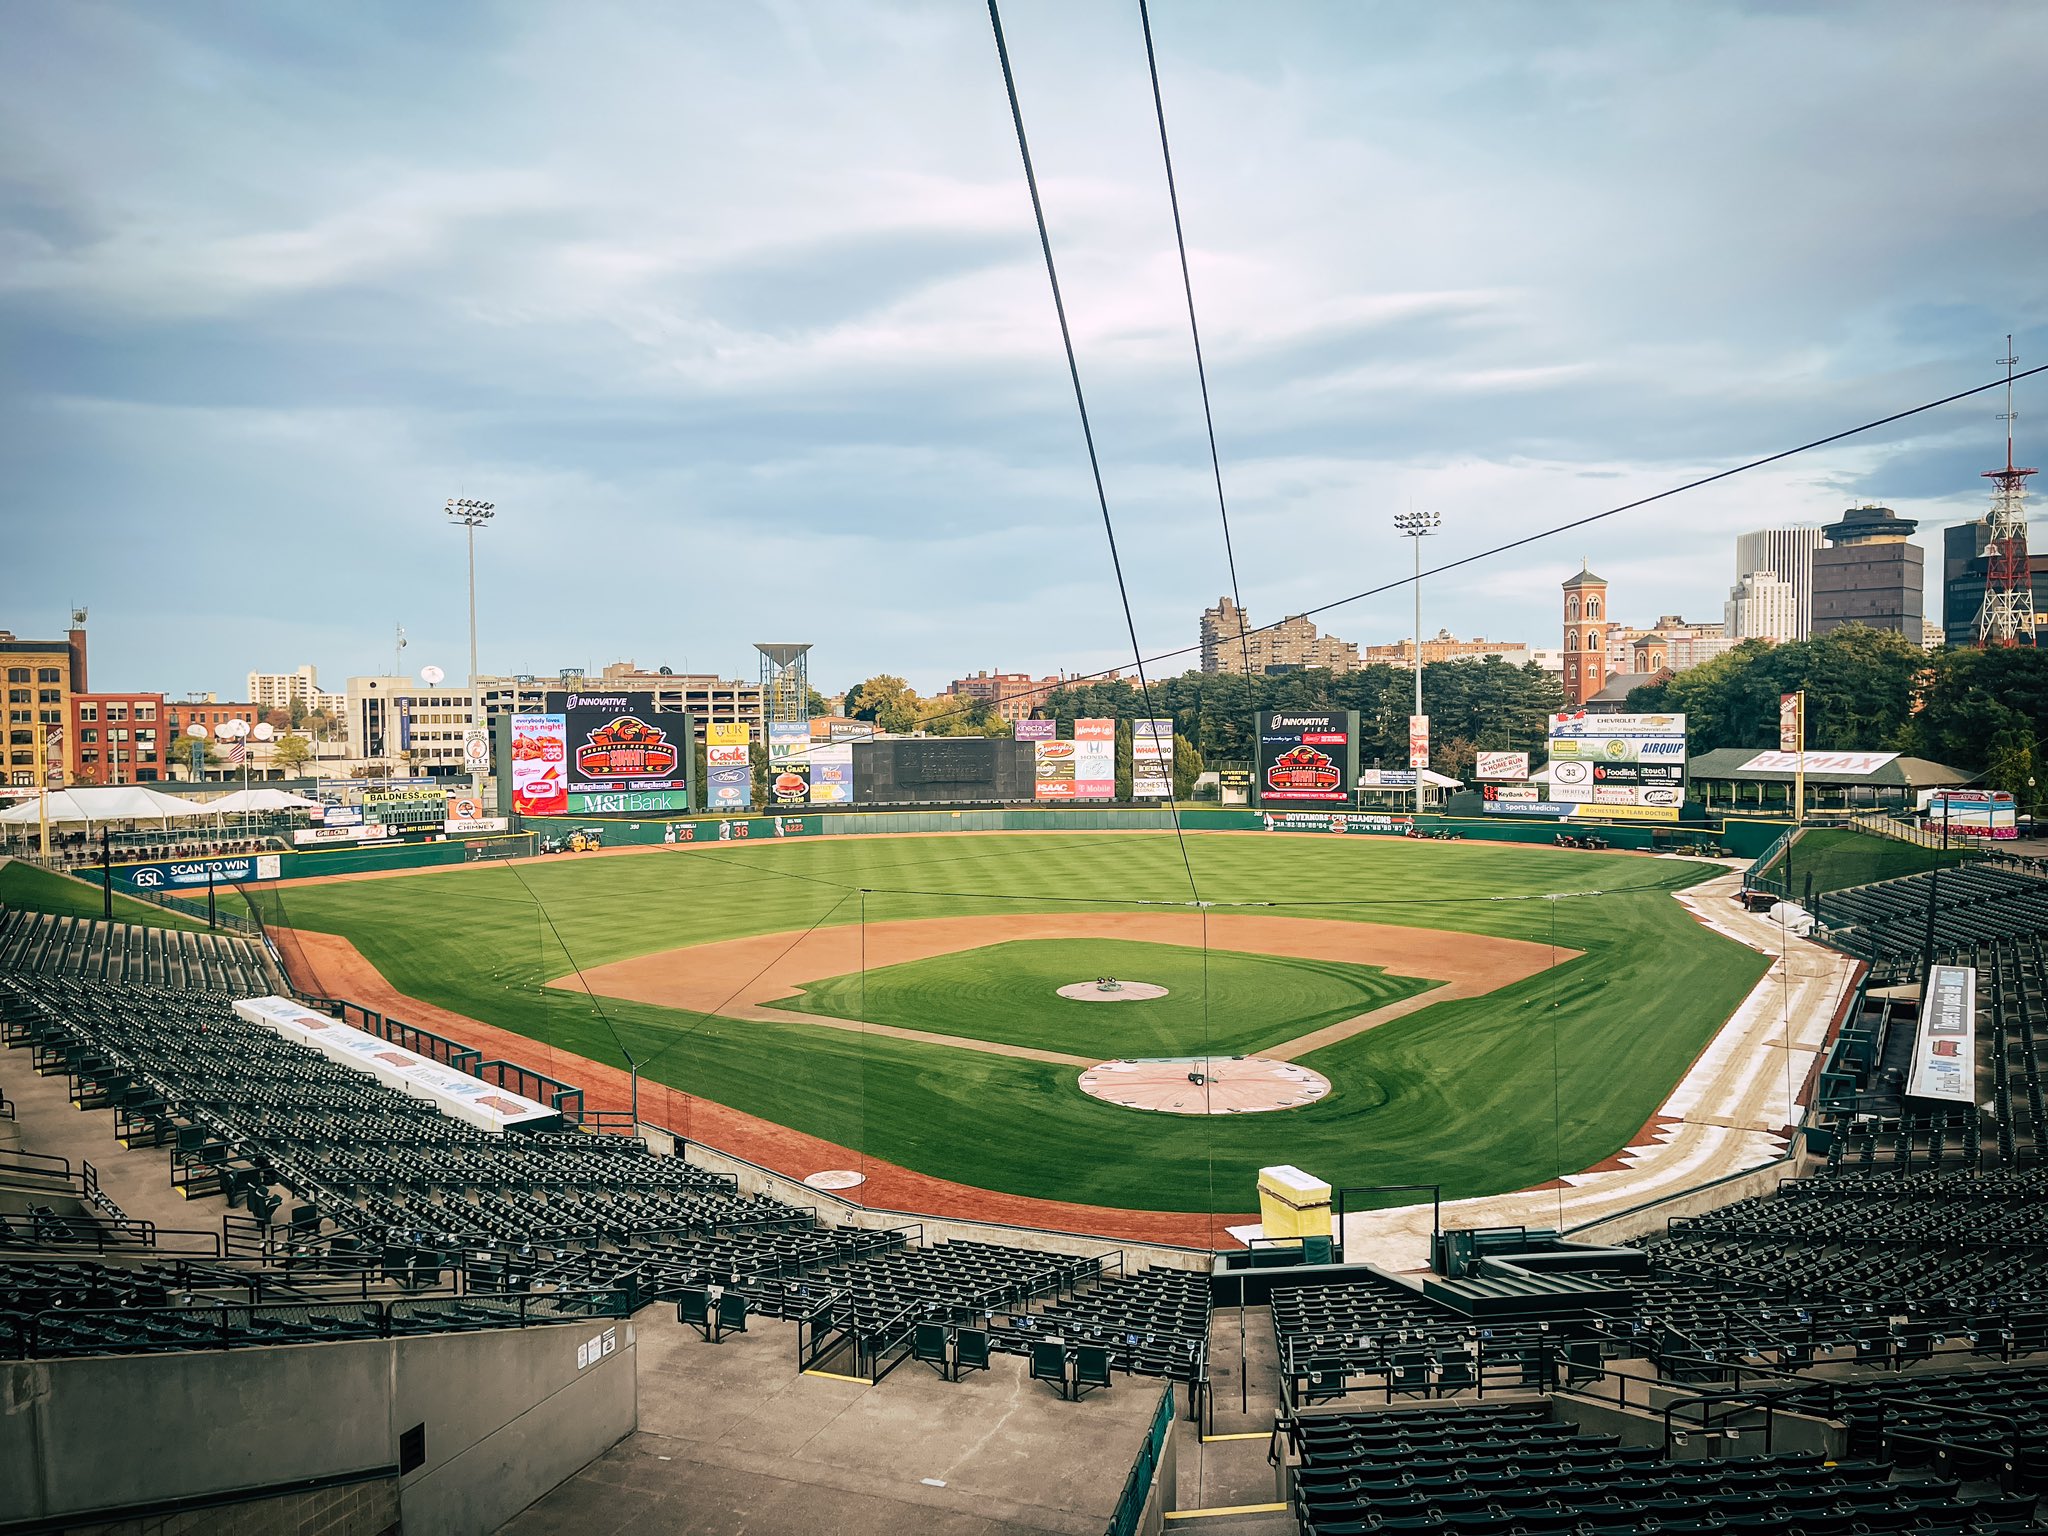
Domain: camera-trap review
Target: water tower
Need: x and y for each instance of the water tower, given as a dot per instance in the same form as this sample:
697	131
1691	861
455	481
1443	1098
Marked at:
785	681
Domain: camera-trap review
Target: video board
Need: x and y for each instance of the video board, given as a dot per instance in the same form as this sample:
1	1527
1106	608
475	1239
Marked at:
621	741
1306	757
943	770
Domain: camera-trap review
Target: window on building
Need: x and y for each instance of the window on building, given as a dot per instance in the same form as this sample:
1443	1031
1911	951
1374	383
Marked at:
1571	608
145	711
49	695
49	675
1593	640
117	735
89	736
17	674
1571	641
117	711
17	695
1592	607
88	757
88	712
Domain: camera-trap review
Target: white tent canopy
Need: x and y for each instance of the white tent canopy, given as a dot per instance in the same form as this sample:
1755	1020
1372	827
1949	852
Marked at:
258	800
118	802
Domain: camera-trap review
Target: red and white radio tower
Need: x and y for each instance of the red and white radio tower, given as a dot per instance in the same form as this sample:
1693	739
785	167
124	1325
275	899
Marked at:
2007	617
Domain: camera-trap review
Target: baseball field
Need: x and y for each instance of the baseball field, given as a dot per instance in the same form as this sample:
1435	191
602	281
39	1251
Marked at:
1488	1015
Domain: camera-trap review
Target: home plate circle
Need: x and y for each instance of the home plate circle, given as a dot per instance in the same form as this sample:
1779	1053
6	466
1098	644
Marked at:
1107	989
1205	1085
835	1178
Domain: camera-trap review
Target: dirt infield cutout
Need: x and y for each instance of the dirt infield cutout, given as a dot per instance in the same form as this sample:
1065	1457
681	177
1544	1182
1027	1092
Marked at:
738	978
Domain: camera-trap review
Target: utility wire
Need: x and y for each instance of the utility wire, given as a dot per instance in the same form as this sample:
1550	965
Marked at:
1551	532
1087	432
1187	284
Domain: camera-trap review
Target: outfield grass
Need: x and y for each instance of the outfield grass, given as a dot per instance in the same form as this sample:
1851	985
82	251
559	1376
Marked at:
1479	1095
34	889
1835	858
1225	1003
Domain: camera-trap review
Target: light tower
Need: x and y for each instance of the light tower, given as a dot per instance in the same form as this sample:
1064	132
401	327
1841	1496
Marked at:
785	681
2007	617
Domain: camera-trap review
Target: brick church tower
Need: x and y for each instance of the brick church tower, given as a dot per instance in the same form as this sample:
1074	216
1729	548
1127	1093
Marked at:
1585	638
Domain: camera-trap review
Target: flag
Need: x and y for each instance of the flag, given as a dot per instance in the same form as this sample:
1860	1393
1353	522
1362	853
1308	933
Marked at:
236	751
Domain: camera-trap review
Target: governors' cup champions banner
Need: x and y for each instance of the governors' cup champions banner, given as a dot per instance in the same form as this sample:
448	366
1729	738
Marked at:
1094	759
540	765
728	765
1629	766
1306	756
1151	759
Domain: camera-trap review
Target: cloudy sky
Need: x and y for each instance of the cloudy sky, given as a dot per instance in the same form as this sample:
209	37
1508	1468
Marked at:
737	313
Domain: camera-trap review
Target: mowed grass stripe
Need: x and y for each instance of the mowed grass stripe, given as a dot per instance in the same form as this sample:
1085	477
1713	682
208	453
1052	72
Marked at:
33	889
1228	1004
1459	1093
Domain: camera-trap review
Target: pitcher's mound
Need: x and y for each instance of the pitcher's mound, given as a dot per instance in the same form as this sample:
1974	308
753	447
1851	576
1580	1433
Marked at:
1205	1085
1116	992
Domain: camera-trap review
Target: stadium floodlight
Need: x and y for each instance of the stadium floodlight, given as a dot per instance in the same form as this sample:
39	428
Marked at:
1418	526
471	515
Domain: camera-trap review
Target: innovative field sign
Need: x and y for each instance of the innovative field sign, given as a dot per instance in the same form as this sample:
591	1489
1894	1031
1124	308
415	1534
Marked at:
1631	767
1307	757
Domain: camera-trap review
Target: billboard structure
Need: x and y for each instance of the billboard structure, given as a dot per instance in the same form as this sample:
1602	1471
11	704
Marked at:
728	765
540	765
1629	767
1037	730
788	740
617	744
1306	757
1052	770
789	785
832	773
1506	766
1151	759
1094	759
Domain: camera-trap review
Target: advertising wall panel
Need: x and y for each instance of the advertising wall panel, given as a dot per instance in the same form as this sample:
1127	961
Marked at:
1855	763
540	765
1037	730
1502	766
1052	770
789	785
1094	759
628	802
1151	759
1307	756
729	767
1418	741
787	739
1338	821
1629	767
832	774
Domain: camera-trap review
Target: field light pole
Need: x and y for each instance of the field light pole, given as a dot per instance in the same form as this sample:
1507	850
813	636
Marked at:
1417	526
472	515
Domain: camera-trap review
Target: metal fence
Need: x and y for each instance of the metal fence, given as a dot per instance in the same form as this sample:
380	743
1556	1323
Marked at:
1130	1507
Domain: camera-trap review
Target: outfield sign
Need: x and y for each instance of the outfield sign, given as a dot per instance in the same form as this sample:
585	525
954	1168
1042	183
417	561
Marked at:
1338	821
788	740
185	874
1418	741
1629	767
1983	813
1502	765
1052	769
622	741
832	774
540	765
359	832
728	765
1037	730
1151	759
1095	759
1307	756
1945	1041
1854	764
789	785
627	802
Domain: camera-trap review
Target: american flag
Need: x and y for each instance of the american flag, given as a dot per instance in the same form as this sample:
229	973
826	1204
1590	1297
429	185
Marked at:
236	752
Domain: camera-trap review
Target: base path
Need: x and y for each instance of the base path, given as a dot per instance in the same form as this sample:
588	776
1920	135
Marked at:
1734	1110
327	965
739	978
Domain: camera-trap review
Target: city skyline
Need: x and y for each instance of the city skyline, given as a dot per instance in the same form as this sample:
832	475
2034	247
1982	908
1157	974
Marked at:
709	332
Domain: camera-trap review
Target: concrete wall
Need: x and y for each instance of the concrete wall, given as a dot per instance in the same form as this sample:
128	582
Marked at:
507	1415
1790	1432
835	1212
1653	1218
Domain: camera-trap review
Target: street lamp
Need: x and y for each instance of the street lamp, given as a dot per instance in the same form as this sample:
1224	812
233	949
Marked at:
472	515
1418	526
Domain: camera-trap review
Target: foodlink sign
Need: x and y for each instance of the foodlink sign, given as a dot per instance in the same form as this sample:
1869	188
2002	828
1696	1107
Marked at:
1306	757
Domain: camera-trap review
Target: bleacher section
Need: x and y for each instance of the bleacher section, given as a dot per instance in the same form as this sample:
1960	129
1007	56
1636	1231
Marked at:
1888	923
38	943
351	1186
1513	1468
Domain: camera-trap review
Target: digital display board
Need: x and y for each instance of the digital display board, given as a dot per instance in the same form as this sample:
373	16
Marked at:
1307	756
620	741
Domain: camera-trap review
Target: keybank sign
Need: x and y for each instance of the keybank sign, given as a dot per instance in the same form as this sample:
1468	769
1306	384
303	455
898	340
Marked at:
200	872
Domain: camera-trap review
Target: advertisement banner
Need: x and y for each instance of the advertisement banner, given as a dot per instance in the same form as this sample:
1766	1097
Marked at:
355	833
1037	730
464	808
1855	764
1094	759
1053	770
787	739
728	761
1307	756
1418	741
729	733
1791	722
1386	778
198	872
624	802
475	826
789	785
1151	759
1502	765
832	774
1630	767
476	750
1945	1041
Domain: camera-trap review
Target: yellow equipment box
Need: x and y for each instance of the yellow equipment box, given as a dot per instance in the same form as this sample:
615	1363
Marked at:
1293	1204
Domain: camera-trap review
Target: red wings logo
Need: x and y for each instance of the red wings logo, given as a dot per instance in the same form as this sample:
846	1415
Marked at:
1303	768
627	748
